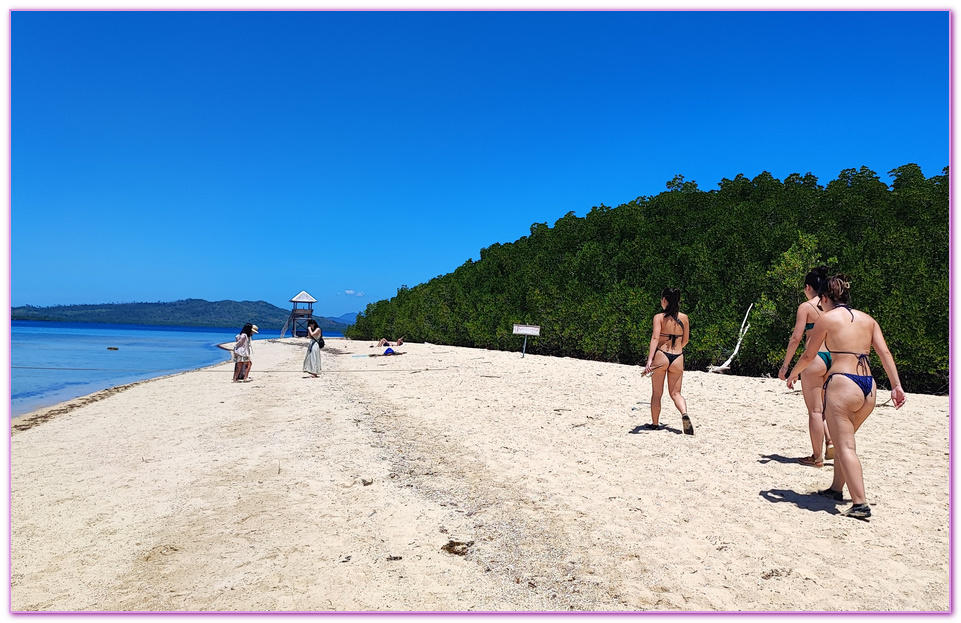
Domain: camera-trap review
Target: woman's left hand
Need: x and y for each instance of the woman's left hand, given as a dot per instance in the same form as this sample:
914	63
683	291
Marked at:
897	395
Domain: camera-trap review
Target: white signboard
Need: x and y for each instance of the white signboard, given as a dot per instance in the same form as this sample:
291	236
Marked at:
526	329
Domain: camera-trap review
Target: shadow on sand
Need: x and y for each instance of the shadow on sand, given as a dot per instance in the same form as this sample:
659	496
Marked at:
805	501
777	458
646	428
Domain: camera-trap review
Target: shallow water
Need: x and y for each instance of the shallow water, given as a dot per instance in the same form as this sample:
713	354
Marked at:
56	361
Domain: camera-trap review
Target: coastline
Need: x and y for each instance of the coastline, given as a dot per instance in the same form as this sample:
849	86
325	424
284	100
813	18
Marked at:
45	376
191	493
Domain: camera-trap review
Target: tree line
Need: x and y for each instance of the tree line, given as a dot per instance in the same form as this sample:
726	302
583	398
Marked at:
593	283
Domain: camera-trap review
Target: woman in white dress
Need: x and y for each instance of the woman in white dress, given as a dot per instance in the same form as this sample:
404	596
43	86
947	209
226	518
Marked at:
242	350
312	360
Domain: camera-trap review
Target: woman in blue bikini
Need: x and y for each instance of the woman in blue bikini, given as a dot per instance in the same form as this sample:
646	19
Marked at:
672	330
850	392
813	376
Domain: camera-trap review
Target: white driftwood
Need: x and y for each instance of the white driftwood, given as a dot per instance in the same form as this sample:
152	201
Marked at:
744	327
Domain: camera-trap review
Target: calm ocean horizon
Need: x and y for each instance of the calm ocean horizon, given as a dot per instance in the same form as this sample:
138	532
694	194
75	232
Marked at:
55	361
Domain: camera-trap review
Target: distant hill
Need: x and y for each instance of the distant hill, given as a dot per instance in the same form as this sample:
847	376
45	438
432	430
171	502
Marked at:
347	319
187	313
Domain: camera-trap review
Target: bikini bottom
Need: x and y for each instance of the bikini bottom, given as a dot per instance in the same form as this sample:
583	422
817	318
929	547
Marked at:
826	357
866	383
670	357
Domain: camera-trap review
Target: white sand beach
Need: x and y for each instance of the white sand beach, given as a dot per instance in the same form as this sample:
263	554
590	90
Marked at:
455	479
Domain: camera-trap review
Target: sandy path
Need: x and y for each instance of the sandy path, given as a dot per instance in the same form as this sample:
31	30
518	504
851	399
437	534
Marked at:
192	493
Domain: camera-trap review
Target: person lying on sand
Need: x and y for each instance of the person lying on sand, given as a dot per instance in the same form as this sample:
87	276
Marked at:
388	353
384	342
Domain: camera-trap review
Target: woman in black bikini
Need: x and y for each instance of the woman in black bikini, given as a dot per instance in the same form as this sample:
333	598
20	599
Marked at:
850	392
813	376
672	331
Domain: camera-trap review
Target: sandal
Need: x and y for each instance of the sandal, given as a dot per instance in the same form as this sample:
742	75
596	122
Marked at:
858	511
811	461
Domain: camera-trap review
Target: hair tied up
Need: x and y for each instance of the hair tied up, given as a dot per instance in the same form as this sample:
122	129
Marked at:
816	278
673	298
837	288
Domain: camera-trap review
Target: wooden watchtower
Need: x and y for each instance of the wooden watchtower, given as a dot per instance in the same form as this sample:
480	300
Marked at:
299	315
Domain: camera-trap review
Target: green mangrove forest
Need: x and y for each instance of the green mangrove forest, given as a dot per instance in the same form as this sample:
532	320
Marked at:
593	283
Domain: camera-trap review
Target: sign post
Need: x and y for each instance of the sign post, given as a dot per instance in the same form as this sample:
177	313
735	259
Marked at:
525	330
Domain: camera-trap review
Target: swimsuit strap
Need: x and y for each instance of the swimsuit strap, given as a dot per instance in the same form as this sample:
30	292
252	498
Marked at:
671	335
847	307
673	338
863	360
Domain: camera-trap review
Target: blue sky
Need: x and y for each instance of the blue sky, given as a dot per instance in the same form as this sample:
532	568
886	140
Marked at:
158	156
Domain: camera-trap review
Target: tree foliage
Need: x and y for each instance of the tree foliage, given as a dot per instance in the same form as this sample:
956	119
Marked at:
593	283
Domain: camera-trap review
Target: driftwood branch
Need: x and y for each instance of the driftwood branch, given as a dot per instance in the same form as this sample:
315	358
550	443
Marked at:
744	327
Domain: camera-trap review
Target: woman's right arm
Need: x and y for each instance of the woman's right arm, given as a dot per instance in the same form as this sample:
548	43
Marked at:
655	334
887	360
799	323
815	339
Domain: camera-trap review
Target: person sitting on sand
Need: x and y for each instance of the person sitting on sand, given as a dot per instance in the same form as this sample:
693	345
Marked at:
672	331
242	352
813	376
850	391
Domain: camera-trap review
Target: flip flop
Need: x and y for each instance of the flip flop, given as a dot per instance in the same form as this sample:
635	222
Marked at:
686	423
811	461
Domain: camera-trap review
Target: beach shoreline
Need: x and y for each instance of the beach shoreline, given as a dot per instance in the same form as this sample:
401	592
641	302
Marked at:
35	417
455	479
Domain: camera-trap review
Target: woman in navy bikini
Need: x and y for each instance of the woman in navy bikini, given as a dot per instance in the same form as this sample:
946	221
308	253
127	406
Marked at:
850	392
672	330
813	376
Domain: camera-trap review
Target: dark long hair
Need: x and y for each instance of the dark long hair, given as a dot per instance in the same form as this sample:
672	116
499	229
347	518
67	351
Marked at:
816	278
837	289
248	330
312	324
673	298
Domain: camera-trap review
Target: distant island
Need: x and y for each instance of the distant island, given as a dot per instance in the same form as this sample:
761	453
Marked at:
186	313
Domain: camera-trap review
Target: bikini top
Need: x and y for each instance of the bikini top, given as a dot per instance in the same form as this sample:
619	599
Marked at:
863	359
810	325
671	335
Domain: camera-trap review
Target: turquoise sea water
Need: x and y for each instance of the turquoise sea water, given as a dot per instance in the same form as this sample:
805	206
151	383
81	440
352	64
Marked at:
55	361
